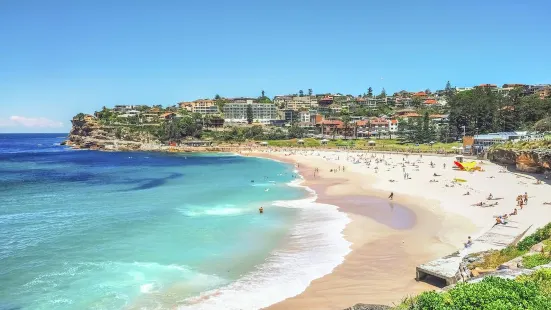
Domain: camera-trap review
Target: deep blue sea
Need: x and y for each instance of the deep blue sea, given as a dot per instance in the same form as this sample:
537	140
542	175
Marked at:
120	230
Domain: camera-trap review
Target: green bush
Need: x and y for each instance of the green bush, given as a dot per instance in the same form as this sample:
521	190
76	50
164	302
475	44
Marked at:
489	294
532	261
542	278
540	235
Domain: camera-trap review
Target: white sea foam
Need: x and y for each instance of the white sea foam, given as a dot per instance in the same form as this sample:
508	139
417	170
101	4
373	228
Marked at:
147	288
316	246
223	210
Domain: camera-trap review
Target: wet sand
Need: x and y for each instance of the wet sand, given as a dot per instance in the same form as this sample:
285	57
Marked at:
389	239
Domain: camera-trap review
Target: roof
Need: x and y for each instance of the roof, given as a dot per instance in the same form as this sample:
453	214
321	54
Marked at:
419	94
411	115
361	123
430	101
331	122
394	121
164	115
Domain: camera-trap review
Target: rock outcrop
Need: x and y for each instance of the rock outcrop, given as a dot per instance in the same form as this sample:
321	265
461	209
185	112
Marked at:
532	161
88	133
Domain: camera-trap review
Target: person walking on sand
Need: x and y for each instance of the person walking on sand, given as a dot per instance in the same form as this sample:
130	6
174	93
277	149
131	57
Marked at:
525	198
391	196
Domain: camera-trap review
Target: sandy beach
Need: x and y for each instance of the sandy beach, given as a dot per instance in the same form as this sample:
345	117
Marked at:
429	216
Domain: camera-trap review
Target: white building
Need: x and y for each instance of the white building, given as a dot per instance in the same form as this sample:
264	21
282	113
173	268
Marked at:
392	125
262	112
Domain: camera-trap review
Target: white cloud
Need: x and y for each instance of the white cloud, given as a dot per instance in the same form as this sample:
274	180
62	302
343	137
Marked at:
31	122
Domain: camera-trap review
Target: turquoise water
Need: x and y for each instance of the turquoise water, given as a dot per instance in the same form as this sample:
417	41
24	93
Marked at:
96	230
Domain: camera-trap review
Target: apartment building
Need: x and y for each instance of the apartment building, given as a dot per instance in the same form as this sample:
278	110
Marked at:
262	112
201	106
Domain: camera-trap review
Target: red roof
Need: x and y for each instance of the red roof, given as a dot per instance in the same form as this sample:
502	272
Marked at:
430	101
394	121
419	94
164	115
331	122
362	123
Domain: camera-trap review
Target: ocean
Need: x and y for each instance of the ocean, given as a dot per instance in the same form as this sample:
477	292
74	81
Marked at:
136	230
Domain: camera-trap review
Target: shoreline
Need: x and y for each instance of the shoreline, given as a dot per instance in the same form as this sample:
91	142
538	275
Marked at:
309	251
328	291
380	269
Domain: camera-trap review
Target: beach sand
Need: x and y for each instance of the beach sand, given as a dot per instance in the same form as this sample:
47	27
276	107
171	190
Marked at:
389	238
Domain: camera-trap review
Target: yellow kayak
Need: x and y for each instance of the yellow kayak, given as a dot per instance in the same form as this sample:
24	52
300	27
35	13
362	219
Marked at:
459	180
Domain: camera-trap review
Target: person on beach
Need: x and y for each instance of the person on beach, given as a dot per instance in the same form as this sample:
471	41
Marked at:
490	197
469	242
514	212
261	210
525	198
391	196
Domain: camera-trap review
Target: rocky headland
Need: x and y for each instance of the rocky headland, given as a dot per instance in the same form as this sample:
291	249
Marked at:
532	158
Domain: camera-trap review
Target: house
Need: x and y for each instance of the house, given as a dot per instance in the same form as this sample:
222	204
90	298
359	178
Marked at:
419	95
462	89
336	127
393	125
201	106
430	102
167	116
325	100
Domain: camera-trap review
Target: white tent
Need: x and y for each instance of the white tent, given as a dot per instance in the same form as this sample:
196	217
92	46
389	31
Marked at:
263	143
371	142
324	141
300	141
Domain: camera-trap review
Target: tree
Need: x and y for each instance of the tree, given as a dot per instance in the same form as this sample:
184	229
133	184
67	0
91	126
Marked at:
249	114
543	125
382	95
310	92
427	91
370	92
301	93
263	94
345	118
296	132
217	97
79	117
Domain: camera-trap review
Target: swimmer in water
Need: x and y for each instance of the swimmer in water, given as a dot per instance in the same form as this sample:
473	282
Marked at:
261	210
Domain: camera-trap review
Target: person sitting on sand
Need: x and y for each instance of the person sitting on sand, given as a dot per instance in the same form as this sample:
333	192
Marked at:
435	175
467	194
498	220
514	212
490	197
478	204
547	203
469	242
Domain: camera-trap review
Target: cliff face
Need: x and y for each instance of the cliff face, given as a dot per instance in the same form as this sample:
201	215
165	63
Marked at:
534	161
88	133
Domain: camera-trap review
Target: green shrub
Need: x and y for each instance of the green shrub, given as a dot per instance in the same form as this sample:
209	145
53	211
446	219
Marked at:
532	261
541	277
495	258
489	294
535	238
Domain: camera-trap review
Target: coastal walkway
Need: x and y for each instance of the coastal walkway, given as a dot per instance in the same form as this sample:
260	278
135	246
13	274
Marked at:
448	268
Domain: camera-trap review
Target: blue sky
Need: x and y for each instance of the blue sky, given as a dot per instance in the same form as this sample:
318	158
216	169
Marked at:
58	58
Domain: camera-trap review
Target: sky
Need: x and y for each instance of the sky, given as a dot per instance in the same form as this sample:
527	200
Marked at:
62	57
